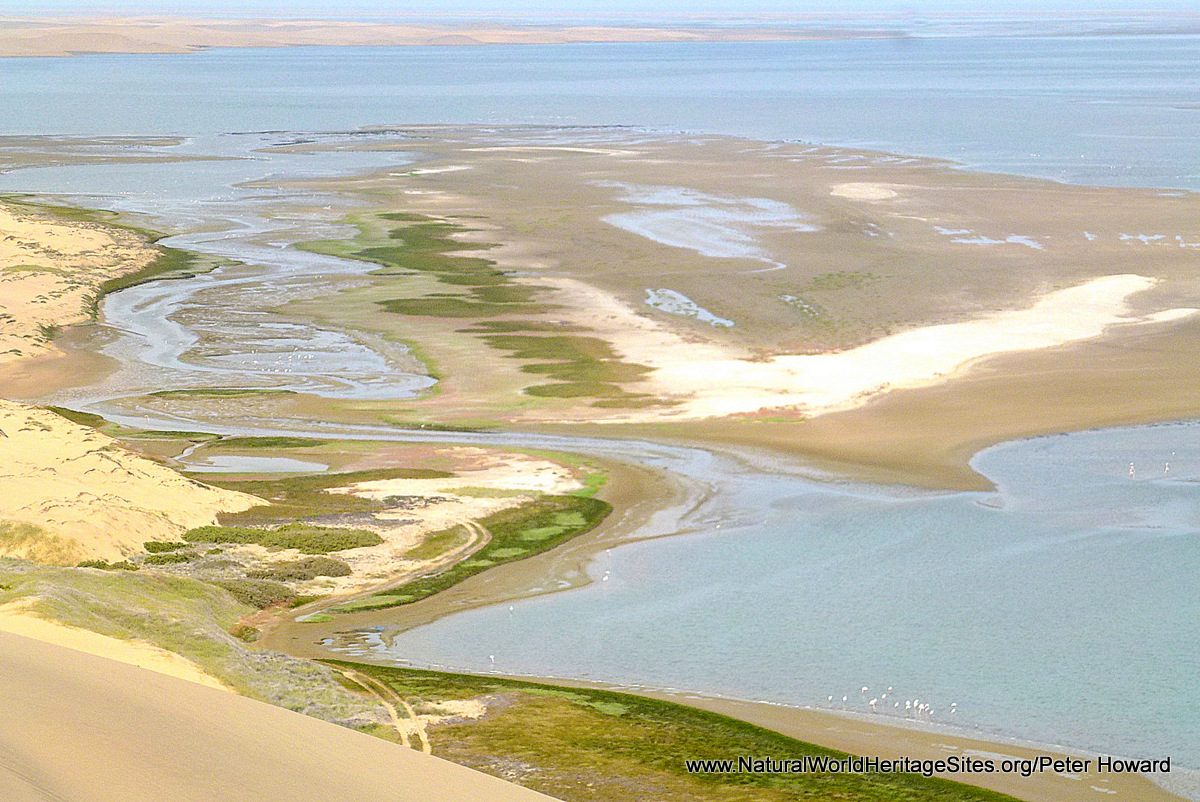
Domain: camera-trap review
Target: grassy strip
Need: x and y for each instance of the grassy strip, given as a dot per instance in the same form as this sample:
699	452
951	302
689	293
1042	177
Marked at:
304	537
517	533
188	617
267	442
584	366
583	744
169	262
305	496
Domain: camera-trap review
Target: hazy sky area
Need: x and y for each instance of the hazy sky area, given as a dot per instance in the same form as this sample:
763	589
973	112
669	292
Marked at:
542	9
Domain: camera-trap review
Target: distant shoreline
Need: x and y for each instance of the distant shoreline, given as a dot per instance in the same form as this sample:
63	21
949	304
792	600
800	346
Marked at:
58	36
68	37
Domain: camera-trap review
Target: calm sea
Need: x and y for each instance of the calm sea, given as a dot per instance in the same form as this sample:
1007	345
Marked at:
1113	110
1063	608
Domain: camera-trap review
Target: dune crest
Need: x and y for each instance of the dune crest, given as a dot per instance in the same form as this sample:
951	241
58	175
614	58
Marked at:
72	493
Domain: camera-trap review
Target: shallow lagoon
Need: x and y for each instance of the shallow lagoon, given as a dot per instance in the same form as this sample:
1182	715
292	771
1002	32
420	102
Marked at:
1061	608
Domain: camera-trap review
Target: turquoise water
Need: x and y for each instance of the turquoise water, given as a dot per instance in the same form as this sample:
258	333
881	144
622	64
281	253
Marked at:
1062	608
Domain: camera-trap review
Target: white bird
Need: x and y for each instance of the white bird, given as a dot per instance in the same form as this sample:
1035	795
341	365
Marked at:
1131	474
492	657
831	698
872	703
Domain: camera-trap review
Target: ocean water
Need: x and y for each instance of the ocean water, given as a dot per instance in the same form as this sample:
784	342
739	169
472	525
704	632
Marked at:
1111	110
1062	608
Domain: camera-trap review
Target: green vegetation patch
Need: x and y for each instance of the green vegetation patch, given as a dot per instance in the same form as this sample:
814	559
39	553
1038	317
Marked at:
170	558
170	262
579	744
305	496
105	565
437	544
583	366
303	537
267	442
82	418
32	542
301	570
517	533
258	593
162	546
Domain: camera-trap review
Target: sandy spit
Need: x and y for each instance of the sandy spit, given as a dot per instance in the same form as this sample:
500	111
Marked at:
711	381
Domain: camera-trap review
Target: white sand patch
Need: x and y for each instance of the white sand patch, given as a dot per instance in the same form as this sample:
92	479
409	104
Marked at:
101	500
450	168
709	380
515	472
15	619
498	481
560	148
863	191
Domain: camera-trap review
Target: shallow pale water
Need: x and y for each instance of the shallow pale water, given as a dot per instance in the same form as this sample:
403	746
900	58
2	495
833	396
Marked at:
1121	110
1063	608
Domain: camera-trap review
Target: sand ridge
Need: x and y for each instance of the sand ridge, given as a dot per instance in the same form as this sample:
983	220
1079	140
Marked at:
72	493
17	619
68	36
51	271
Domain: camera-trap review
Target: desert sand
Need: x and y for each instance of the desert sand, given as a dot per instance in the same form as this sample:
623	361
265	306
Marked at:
51	271
81	728
63	36
72	493
16	620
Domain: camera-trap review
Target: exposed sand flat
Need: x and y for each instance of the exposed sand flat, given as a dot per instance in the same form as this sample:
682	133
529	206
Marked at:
51	271
82	728
90	496
15	620
67	36
865	192
710	381
821	383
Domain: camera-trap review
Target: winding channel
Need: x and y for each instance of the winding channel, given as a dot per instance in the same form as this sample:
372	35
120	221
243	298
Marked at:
1061	607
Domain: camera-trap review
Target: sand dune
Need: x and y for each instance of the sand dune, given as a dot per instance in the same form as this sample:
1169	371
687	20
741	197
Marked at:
82	728
63	37
72	493
51	271
16	621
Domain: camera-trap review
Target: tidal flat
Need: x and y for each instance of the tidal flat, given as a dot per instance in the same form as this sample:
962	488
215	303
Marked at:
544	292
